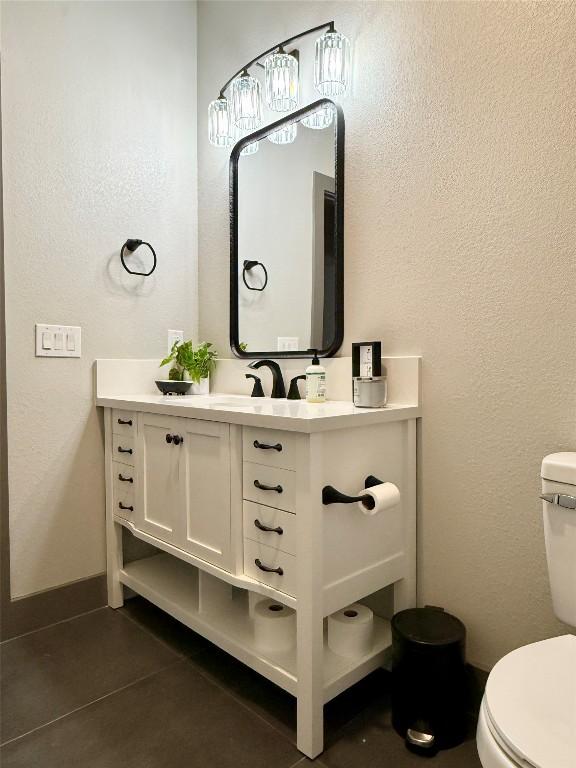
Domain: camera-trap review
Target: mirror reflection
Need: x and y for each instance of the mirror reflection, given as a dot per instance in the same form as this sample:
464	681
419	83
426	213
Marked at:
287	255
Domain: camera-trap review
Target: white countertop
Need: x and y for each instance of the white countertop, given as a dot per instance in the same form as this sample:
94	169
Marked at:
292	415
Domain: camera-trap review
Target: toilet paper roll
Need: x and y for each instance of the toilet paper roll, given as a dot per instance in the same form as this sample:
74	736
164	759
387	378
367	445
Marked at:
350	631
385	496
274	626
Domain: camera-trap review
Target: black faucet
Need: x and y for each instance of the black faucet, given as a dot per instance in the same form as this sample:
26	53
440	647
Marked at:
278	388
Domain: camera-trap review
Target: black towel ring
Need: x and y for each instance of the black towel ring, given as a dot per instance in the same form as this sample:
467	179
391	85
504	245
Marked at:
248	265
131	245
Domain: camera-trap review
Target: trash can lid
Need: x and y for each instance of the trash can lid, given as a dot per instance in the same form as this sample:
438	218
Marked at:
429	626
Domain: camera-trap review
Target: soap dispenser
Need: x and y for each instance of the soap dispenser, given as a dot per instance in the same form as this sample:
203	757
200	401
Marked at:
315	380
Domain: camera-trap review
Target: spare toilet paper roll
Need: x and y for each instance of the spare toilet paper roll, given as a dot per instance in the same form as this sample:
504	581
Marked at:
274	626
350	631
385	496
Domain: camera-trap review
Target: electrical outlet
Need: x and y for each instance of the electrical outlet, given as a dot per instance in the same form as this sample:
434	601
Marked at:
287	344
174	336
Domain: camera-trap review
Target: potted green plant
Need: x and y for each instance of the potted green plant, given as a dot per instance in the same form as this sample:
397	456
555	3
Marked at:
190	364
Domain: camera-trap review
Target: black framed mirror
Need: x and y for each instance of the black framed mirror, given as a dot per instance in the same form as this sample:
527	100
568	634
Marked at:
287	236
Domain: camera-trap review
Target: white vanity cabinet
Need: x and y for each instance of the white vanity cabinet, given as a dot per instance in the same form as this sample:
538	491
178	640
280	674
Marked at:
183	491
230	494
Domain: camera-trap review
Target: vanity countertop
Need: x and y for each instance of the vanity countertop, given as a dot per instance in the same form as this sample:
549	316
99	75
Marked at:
292	415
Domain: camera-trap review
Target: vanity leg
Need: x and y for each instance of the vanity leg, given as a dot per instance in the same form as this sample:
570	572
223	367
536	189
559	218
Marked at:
114	557
310	706
405	589
310	622
114	565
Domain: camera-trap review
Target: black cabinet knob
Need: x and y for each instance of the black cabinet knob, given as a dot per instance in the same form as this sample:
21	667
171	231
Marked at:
169	438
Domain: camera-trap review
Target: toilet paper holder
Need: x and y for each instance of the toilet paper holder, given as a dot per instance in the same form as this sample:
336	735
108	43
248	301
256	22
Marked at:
331	496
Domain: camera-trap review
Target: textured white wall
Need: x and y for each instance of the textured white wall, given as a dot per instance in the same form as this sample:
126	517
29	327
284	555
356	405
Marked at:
460	237
99	144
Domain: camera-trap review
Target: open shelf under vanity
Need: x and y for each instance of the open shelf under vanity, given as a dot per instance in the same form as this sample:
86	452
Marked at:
176	587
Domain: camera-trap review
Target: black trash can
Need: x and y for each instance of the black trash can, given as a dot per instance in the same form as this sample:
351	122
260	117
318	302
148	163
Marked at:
429	679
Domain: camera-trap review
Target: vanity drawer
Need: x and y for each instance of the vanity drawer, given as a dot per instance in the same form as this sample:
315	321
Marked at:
124	481
123	449
268	557
269	446
283	535
258	479
123	422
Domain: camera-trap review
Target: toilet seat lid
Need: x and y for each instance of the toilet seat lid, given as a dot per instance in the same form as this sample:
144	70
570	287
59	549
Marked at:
531	702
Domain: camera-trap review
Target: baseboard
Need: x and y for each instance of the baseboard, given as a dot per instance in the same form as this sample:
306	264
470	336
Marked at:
30	613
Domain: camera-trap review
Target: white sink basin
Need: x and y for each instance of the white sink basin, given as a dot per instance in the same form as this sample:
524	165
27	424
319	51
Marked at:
235	401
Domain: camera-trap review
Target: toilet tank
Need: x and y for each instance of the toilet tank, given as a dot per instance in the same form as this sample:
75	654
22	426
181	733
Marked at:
559	511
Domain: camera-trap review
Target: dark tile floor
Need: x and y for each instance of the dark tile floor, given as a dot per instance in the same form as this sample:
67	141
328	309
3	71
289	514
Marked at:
135	689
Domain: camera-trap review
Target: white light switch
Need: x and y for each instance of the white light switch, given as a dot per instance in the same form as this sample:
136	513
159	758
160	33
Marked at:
58	340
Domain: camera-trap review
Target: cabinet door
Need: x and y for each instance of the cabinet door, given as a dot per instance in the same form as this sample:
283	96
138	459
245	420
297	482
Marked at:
158	509
206	490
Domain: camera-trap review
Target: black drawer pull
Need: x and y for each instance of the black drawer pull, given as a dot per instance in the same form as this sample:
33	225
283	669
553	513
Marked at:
122	506
126	479
267	568
127	422
267	529
266	447
124	450
178	439
262	487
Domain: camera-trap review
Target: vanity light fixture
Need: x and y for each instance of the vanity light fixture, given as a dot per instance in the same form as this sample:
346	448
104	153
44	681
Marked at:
238	109
321	118
249	149
220	127
284	135
332	64
247	102
281	81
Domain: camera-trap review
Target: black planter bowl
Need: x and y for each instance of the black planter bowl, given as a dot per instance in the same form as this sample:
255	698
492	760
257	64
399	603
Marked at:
169	387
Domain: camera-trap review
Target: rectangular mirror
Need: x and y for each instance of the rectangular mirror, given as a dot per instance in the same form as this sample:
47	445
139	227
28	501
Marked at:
287	236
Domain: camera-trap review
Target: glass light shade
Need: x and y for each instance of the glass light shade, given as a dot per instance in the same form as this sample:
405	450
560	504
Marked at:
247	103
332	64
220	127
281	81
322	118
249	149
284	135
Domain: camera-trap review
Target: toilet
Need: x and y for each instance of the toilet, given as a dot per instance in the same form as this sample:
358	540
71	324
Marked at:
528	713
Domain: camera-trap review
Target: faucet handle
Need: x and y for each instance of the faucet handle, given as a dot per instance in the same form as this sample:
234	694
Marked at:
257	390
293	391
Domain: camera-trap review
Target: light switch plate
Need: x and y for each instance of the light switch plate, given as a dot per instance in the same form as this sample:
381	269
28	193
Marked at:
58	340
174	336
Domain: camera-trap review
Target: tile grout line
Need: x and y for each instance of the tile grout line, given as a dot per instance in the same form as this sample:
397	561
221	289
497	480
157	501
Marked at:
239	701
54	624
90	703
